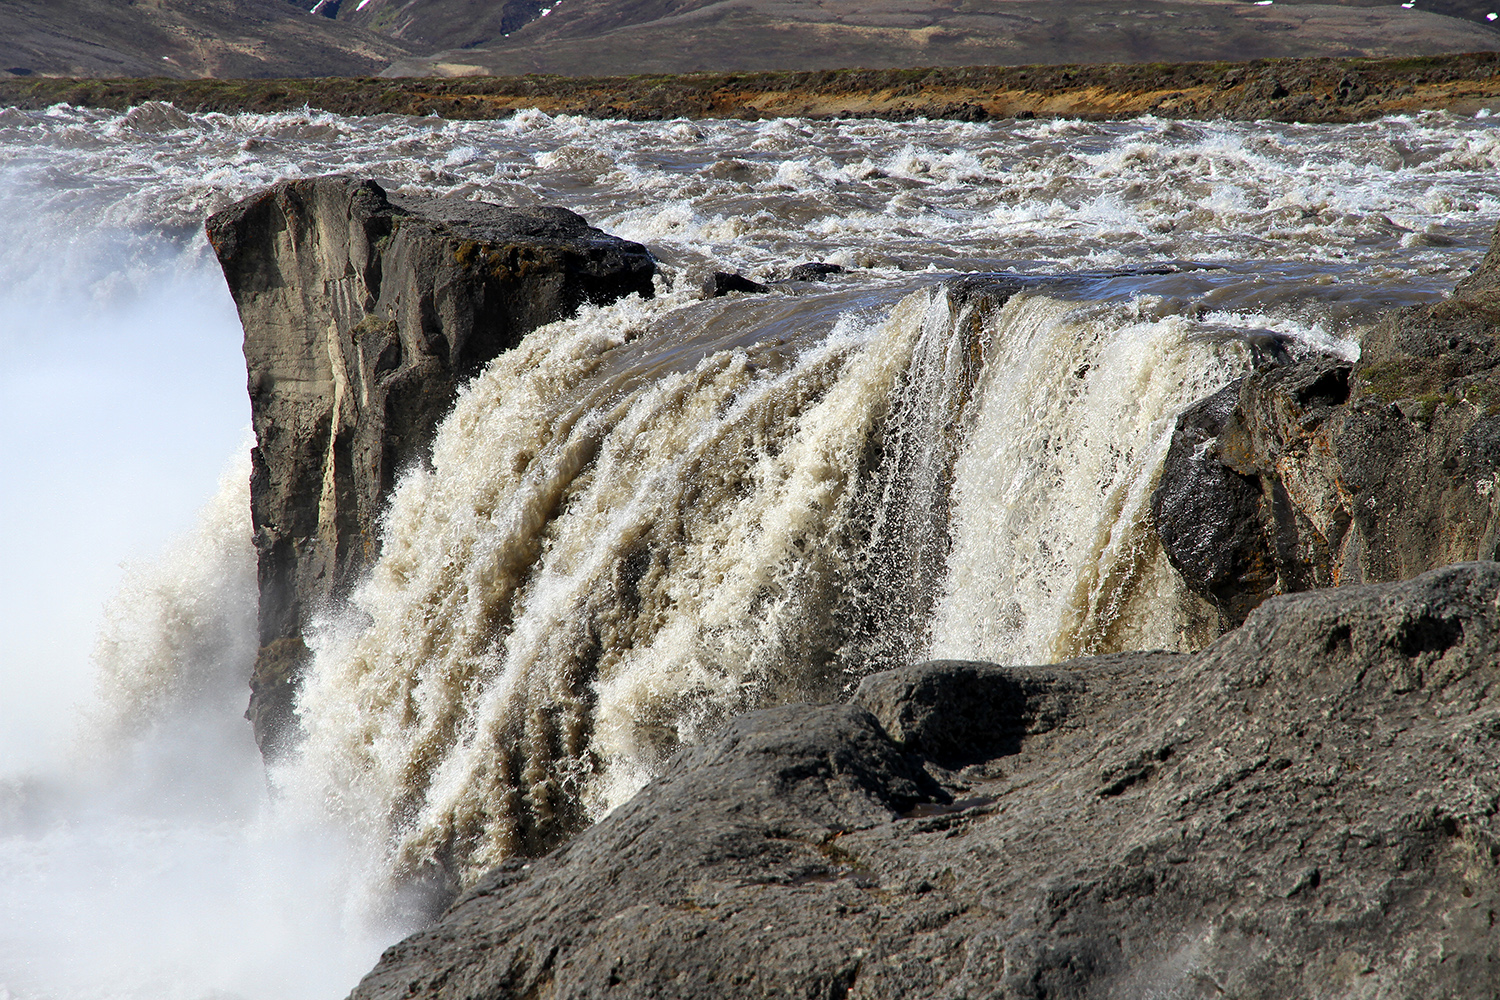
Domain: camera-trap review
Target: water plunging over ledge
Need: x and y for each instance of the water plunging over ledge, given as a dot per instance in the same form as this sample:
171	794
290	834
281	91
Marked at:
642	522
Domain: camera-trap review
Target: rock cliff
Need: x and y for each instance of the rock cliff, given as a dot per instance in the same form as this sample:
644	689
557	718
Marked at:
1307	808
1324	473
363	313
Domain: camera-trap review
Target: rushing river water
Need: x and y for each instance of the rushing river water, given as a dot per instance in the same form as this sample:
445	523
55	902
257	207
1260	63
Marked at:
644	519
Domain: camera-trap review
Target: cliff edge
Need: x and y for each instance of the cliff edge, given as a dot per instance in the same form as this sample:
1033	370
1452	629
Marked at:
363	313
1325	472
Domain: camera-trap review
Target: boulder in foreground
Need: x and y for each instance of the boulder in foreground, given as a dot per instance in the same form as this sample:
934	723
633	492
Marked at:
1306	808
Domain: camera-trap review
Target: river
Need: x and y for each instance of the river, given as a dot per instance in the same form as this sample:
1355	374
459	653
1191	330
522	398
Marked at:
646	518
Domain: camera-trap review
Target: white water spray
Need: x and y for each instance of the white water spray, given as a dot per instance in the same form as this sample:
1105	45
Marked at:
151	863
1053	556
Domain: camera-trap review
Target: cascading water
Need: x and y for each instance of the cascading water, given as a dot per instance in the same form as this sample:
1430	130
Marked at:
1052	555
625	540
600	553
650	516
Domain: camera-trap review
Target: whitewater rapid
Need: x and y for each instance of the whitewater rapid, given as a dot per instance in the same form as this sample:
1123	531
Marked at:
644	519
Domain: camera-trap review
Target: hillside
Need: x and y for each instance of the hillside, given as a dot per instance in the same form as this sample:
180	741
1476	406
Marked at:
313	38
184	38
590	37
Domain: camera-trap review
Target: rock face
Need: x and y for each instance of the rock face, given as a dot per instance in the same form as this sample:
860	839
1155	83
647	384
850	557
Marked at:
1307	808
1324	473
363	314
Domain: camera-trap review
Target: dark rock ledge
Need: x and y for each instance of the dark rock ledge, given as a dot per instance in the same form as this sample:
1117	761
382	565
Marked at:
1323	473
363	313
1307	808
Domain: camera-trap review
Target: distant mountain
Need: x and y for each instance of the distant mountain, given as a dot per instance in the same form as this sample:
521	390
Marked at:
185	38
270	38
590	37
443	24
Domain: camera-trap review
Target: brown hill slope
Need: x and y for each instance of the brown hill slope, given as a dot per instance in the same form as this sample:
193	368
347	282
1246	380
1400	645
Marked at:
466	24
592	37
443	24
183	38
1305	90
266	38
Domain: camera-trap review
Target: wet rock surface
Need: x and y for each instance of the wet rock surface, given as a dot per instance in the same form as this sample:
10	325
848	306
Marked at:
1323	472
1208	515
722	283
1305	808
363	313
814	270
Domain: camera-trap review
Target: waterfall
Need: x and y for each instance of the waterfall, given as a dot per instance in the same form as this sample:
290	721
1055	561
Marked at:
648	518
628	535
1052	555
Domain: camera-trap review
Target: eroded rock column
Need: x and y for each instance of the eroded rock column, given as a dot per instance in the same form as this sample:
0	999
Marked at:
363	313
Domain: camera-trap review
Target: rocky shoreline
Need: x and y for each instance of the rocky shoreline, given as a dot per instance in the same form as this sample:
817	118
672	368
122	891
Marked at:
1303	90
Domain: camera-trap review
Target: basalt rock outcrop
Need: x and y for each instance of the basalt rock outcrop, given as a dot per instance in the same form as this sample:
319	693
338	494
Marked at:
721	283
1306	808
1323	473
363	313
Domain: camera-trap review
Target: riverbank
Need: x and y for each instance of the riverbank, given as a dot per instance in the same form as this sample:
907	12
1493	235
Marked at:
1303	90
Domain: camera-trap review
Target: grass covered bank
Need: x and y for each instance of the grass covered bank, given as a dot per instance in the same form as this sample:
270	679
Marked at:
1306	90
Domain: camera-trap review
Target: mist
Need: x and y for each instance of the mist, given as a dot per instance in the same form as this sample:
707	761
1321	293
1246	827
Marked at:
140	853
